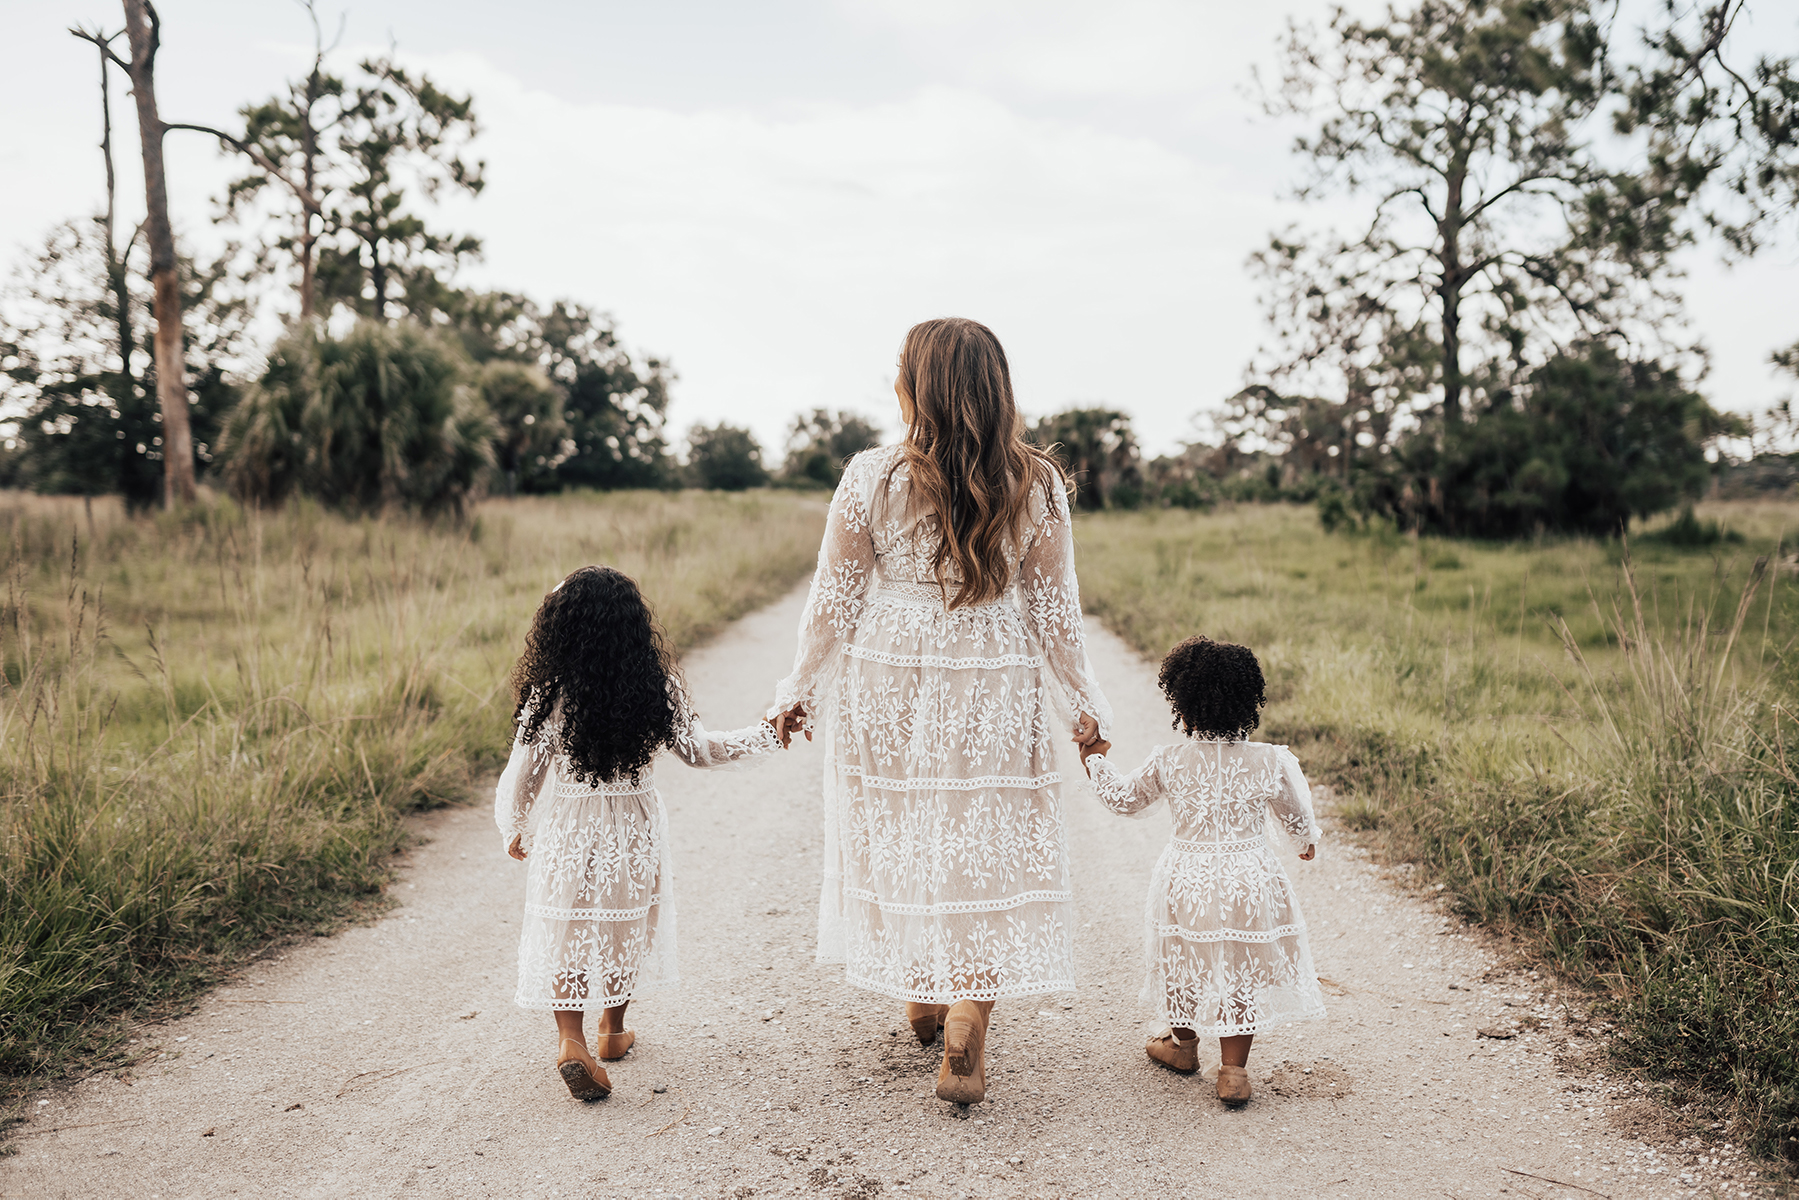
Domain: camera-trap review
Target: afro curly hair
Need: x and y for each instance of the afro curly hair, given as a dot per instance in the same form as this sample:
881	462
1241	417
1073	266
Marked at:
595	647
1215	688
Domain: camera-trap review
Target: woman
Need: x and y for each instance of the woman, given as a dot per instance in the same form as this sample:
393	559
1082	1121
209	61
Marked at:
943	619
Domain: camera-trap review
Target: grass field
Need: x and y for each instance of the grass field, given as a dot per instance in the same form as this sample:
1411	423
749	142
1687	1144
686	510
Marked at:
1593	750
210	726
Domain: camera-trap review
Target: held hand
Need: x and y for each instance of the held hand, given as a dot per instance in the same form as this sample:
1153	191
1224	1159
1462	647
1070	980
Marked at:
1308	853
517	849
791	722
1096	746
1086	730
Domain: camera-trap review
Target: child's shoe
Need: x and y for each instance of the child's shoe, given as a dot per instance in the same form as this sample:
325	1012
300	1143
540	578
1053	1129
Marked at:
1175	1054
925	1020
962	1079
586	1079
613	1046
1233	1086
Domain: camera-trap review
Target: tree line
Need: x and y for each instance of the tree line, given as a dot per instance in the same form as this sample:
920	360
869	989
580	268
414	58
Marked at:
1496	348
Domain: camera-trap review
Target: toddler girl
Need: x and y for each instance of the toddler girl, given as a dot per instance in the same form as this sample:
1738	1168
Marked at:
1227	946
598	695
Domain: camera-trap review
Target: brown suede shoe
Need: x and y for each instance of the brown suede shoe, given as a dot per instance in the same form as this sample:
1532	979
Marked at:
1175	1055
586	1079
1233	1086
962	1079
612	1046
925	1020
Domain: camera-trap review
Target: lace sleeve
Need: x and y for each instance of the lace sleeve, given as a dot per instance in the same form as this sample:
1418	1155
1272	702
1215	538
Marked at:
1052	611
520	784
1130	795
698	746
846	564
1292	801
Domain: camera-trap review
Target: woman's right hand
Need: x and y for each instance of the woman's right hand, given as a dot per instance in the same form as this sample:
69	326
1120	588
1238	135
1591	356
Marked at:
517	848
1086	730
791	722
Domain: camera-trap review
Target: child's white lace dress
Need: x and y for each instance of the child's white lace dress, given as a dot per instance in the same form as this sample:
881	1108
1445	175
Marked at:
946	861
1226	941
599	925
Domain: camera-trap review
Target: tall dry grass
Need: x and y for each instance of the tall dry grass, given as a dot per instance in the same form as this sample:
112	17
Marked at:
212	724
1591	746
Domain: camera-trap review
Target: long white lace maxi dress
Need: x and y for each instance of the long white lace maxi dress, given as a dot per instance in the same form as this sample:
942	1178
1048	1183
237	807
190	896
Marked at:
1226	942
599	925
946	862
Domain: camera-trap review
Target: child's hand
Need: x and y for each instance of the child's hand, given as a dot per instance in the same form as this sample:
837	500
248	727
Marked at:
1097	746
791	722
1309	853
517	849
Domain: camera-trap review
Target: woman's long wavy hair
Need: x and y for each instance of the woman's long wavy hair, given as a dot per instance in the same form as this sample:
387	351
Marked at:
969	462
595	646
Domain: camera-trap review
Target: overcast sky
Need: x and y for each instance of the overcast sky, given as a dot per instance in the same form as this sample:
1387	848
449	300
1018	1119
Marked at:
768	193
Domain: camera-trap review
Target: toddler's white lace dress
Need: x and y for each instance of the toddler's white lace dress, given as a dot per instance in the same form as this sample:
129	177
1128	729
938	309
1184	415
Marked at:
599	926
946	862
1226	941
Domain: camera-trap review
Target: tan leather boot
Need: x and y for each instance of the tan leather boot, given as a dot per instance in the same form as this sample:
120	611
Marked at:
962	1079
1233	1086
586	1079
1175	1054
925	1020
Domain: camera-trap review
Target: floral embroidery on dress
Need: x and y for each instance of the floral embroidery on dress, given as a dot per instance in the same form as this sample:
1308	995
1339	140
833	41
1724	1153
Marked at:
1227	950
946	861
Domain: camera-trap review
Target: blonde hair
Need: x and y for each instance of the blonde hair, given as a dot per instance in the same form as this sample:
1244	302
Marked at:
970	464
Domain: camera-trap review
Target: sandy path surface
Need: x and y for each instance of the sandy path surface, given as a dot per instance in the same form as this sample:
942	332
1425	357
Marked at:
390	1060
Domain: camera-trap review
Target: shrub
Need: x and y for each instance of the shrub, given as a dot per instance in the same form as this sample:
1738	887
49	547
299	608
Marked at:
725	458
1590	442
382	418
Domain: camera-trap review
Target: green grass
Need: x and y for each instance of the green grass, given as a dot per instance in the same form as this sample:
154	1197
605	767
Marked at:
211	725
1594	752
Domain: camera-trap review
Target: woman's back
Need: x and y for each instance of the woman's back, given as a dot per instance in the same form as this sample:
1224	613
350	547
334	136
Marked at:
904	530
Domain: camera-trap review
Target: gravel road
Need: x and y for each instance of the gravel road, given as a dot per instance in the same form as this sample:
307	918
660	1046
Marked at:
390	1060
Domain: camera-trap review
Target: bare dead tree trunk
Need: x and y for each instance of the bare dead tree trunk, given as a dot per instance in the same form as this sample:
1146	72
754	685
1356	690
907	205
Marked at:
145	30
115	258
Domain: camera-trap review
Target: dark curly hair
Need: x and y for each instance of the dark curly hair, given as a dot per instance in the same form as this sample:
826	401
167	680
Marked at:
595	646
1215	688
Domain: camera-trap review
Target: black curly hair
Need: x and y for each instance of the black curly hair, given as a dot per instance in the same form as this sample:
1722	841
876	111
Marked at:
595	646
1215	688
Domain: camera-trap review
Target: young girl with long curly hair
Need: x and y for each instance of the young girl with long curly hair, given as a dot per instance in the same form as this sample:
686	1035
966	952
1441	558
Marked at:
1227	945
598	694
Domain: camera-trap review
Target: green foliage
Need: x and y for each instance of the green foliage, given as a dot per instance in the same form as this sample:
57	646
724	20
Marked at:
820	443
1098	448
613	404
378	420
1590	442
88	424
222	749
527	413
724	458
1591	751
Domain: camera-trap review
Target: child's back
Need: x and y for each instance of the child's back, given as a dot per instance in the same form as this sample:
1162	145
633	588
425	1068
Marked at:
1226	941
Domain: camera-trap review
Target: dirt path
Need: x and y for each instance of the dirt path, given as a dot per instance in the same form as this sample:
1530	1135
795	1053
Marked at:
390	1061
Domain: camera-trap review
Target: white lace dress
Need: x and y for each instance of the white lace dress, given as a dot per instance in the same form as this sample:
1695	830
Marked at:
1226	941
599	926
946	861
